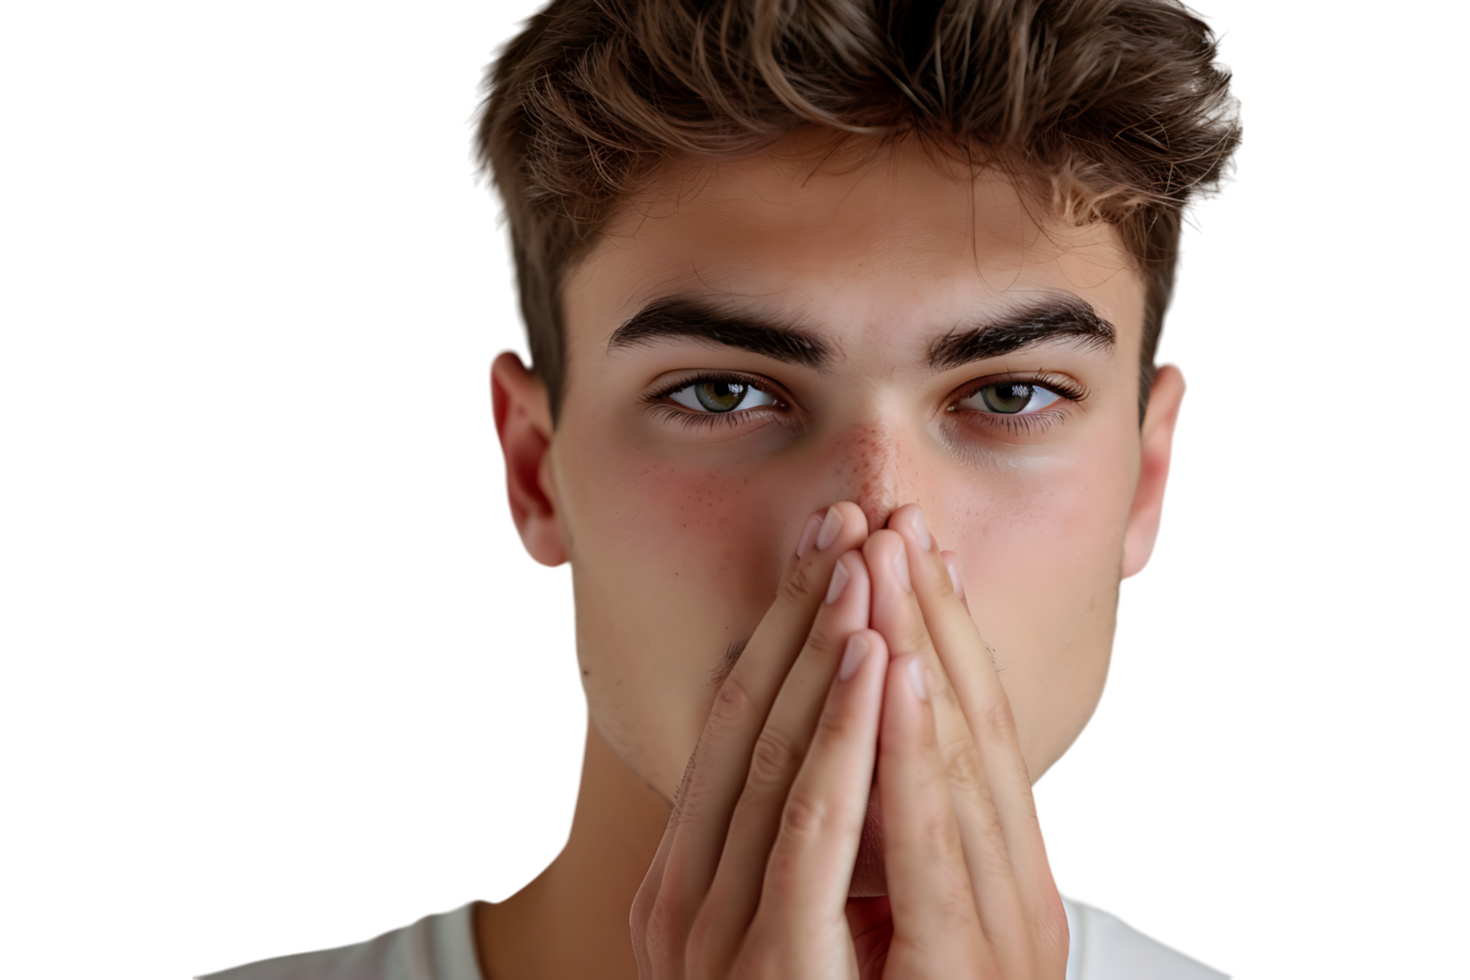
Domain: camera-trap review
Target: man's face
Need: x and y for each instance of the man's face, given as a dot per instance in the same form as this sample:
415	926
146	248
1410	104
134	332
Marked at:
880	316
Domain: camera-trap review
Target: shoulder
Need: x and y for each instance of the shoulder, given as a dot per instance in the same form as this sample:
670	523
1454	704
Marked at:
1103	947
437	947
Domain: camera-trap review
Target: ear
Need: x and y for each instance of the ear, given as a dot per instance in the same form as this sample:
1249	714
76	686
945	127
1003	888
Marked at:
1153	471
523	422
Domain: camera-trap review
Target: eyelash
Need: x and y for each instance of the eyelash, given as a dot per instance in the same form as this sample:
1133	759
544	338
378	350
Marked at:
1064	386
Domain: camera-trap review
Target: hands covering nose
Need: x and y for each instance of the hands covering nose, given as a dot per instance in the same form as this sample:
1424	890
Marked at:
867	671
968	880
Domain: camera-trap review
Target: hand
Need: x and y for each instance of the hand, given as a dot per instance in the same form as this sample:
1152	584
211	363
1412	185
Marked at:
752	873
970	891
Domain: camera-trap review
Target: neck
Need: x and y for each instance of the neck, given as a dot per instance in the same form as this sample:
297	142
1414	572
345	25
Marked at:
572	921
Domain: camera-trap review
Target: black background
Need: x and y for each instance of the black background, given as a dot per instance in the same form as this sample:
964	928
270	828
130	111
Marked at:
393	722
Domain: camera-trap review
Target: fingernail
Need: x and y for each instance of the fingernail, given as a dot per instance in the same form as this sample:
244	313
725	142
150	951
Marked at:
830	527
952	562
916	678
852	657
921	530
808	534
901	568
839	582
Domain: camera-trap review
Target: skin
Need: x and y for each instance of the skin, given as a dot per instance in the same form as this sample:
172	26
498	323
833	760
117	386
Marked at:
683	541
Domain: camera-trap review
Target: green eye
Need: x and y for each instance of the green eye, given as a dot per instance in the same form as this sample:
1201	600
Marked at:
1009	398
740	400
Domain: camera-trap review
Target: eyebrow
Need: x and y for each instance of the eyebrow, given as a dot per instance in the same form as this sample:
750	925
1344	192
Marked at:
1063	318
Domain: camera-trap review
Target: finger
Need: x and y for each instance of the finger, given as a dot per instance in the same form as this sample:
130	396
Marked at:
810	864
935	920
778	755
640	916
721	759
1000	819
956	577
985	852
898	616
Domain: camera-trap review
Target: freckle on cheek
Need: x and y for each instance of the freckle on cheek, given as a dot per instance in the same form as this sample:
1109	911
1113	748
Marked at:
660	504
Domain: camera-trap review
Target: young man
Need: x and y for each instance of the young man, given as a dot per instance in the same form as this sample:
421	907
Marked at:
843	408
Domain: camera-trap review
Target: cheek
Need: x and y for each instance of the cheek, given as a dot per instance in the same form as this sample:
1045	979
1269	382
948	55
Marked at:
1042	551
1039	535
704	533
672	565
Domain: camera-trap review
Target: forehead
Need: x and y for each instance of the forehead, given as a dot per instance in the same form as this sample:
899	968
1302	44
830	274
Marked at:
891	237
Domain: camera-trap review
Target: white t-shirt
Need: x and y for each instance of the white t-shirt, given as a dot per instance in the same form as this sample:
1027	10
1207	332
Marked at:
442	947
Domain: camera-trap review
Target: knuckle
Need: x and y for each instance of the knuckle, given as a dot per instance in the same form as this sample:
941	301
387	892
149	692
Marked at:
732	702
803	818
914	636
774	760
799	585
823	637
962	765
996	722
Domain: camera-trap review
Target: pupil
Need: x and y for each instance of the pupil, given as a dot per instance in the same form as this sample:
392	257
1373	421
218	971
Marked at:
720	396
1007	399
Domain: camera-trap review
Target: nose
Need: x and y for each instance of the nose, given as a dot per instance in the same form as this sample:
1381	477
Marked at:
878	467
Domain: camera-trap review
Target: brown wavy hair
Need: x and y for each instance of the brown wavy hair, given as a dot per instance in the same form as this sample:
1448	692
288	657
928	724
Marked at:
1106	110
